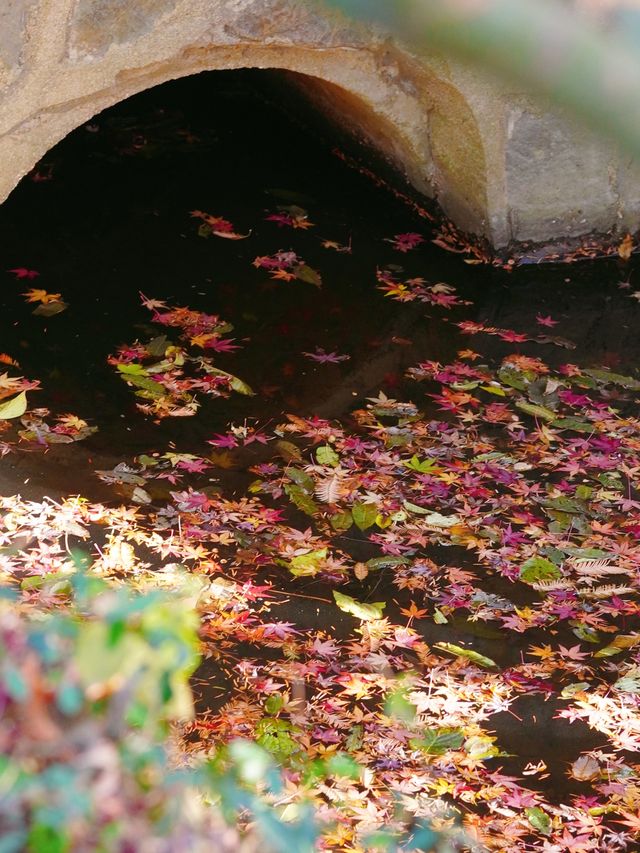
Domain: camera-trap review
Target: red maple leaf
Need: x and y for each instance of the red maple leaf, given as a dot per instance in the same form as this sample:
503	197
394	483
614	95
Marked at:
23	272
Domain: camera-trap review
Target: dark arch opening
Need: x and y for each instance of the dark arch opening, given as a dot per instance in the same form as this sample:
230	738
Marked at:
107	214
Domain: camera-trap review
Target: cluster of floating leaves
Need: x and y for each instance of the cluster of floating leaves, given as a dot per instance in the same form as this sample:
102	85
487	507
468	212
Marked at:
37	426
158	368
501	496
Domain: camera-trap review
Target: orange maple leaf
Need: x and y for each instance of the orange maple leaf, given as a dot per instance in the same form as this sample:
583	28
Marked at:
37	295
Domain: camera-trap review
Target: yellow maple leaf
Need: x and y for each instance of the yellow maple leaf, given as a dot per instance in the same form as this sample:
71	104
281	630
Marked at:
36	294
201	340
542	652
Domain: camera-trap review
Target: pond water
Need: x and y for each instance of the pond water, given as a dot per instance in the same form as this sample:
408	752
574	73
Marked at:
107	215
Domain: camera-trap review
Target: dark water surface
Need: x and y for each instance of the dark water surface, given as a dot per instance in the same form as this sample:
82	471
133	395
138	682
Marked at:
113	220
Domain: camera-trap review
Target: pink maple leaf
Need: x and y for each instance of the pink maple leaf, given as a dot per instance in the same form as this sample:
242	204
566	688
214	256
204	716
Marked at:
323	357
546	321
222	345
228	440
512	337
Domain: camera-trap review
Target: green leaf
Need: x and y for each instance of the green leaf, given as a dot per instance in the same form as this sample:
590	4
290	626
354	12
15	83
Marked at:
241	387
539	819
250	761
341	521
308	564
46	839
366	612
235	383
304	272
583	493
326	455
462	652
149	386
273	704
301	478
586	633
615	378
364	515
539	569
14	408
536	411
619	644
132	369
572	689
301	499
399	706
438	741
629	682
494	389
341	764
157	346
574	424
376	563
288	450
564	504
514	378
425	466
274	735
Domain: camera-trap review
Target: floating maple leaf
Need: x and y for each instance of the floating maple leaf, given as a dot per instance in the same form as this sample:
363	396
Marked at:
217	225
323	357
37	295
546	321
23	272
405	242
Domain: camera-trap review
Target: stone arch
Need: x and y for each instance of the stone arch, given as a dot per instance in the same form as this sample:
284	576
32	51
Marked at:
70	59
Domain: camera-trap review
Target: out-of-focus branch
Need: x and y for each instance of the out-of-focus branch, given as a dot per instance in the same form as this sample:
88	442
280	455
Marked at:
542	43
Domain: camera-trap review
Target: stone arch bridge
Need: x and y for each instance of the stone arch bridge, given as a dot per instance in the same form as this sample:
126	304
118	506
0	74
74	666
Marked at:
502	166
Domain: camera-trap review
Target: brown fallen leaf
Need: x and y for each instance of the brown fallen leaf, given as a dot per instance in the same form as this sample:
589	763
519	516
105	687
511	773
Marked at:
626	247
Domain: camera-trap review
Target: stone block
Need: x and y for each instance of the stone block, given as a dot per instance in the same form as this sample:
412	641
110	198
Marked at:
559	177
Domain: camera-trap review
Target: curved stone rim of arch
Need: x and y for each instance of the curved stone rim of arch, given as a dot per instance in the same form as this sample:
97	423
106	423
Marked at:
393	111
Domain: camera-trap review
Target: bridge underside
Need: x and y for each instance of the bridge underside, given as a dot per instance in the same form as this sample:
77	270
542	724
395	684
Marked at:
500	166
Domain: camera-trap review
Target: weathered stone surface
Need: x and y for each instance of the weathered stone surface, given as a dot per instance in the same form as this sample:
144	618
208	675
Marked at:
501	166
99	23
556	172
13	17
294	22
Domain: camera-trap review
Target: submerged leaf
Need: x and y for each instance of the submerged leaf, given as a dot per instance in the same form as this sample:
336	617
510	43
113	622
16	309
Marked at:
305	273
461	652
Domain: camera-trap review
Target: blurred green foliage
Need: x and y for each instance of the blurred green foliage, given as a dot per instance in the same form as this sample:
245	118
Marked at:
90	688
546	45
